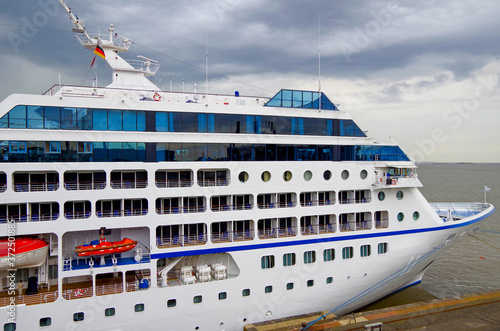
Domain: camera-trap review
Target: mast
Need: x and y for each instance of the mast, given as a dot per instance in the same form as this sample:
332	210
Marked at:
126	73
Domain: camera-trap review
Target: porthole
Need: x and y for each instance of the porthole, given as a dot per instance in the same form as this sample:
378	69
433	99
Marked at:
108	312
381	196
45	321
327	174
266	176
171	303
243	176
416	215
399	195
401	217
345	174
308	175
287	175
139	307
363	174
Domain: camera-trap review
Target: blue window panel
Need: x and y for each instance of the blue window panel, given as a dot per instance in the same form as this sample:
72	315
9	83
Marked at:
35	117
115	120
213	152
212	122
18	112
238	123
129	120
161	122
52	118
17	117
68	118
250	125
141	121
141	152
115	152
161	152
202	123
189	122
84	119
283	125
4	121
100	120
175	122
276	100
225	123
329	127
258	124
286	95
129	151
300	126
294	125
100	151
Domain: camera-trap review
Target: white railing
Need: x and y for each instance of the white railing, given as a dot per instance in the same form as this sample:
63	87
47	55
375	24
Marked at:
458	210
31	299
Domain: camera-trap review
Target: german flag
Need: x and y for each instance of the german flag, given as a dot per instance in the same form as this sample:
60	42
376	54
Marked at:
99	51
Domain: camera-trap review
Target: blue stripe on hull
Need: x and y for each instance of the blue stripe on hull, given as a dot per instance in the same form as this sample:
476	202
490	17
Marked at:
315	241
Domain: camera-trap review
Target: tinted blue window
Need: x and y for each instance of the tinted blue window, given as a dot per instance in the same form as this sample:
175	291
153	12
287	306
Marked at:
115	152
329	127
115	120
257	124
100	151
84	118
52	118
212	123
68	118
161	152
189	122
238	123
17	117
35	117
175	122
4	121
250	124
300	126
225	123
129	120
129	151
100	120
141	152
202	123
141	121
161	122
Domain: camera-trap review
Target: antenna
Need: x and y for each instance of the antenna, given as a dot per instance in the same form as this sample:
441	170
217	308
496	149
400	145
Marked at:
206	67
319	55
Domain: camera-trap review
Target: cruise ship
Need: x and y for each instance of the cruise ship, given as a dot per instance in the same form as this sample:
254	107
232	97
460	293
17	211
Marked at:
127	207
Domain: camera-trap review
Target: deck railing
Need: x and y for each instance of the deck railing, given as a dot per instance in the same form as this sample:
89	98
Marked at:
85	186
164	183
31	299
35	187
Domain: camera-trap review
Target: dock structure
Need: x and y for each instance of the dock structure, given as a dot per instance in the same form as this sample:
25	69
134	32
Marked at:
480	311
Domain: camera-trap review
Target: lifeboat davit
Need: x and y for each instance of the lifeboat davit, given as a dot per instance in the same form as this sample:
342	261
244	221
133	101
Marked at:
22	252
104	247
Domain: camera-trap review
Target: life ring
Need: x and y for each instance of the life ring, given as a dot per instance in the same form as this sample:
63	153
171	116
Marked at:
393	182
78	293
156	97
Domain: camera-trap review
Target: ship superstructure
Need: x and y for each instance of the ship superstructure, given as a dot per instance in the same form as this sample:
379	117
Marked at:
239	209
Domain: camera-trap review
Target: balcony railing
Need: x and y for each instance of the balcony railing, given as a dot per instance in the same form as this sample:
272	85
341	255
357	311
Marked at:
181	240
163	183
231	236
85	186
267	233
31	299
129	184
121	212
35	187
29	218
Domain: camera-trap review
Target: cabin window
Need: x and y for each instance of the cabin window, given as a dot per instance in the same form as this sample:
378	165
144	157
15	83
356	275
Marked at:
382	248
345	174
243	176
268	289
381	196
416	215
309	257
289	286
329	254
267	262
288	259
139	307
109	312
9	327
78	317
307	175
45	321
266	176
363	174
401	217
365	250
222	295
329	280
399	195
245	292
347	253
287	176
310	283
197	299
171	303
327	175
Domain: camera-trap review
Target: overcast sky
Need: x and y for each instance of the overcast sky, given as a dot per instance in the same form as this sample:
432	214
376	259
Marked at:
425	72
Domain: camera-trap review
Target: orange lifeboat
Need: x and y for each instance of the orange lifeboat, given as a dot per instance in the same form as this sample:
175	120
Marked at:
22	252
104	247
